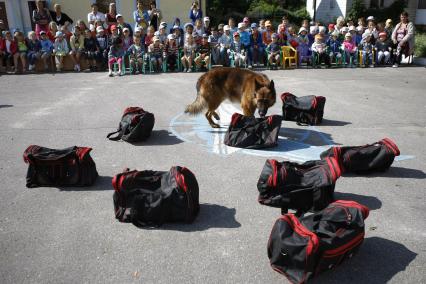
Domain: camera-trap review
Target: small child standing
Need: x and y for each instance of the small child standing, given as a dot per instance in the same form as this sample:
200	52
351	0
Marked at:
319	51
303	48
136	52
115	55
273	49
46	49
156	53
91	47
60	50
171	52
367	49
383	49
34	48
350	50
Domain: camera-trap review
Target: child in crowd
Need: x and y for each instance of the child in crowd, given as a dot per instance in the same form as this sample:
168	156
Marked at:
273	49
149	36
389	28
352	31
51	33
127	39
220	29
34	48
323	32
362	23
358	35
204	53
179	36
262	27
171	52
319	51
334	47
136	53
256	45
283	36
371	28
207	26
245	42
331	29
225	42
232	25
198	31
9	49
188	53
161	33
282	28
313	30
238	51
92	50
156	54
343	32
46	49
214	45
350	50
303	48
60	50
103	42
67	34
383	48
115	55
367	49
267	35
21	52
77	47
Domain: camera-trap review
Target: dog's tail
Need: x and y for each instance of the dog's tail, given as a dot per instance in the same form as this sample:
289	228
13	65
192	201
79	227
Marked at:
199	104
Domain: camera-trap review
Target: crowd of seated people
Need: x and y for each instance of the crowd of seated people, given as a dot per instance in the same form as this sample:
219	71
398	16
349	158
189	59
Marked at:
108	42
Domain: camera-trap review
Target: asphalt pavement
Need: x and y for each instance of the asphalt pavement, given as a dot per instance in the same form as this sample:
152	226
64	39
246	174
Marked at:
70	235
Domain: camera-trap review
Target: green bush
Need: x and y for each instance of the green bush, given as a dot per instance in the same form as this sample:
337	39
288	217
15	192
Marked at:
357	10
274	11
420	44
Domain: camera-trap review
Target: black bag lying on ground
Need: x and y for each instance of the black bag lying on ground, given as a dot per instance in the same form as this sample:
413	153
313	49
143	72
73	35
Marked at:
302	248
302	187
135	125
378	156
66	167
253	133
151	198
303	110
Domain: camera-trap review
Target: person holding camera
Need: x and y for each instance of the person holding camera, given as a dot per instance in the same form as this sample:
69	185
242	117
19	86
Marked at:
195	12
154	15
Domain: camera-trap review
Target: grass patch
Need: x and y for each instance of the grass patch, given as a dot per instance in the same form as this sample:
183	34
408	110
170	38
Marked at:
420	44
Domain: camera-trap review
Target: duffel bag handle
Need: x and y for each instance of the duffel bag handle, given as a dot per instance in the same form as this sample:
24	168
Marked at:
116	138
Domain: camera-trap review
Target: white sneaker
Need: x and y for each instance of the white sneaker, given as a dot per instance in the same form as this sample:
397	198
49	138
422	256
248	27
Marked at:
371	66
78	67
75	68
110	73
30	67
395	65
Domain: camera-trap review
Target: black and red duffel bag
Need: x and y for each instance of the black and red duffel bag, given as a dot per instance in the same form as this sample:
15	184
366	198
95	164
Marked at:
302	187
135	126
253	133
304	110
151	198
302	248
65	167
378	156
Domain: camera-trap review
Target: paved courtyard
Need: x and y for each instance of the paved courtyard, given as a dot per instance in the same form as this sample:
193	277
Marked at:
58	235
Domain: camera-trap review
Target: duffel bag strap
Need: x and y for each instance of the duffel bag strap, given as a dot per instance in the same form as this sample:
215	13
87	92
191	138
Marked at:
116	138
299	120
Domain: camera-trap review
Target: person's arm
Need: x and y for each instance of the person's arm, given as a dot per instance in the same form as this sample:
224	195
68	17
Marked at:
410	33
67	20
394	33
89	19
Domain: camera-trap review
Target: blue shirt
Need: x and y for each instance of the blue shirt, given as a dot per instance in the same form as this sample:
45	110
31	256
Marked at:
245	38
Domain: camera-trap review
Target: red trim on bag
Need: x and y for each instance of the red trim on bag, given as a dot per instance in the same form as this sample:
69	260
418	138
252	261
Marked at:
336	167
314	103
345	248
333	173
133	110
364	209
25	156
301	230
270	120
235	117
390	144
82	151
180	179
118	184
284	95
274	172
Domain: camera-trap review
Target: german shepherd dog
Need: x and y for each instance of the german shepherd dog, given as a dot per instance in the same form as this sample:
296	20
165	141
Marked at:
253	90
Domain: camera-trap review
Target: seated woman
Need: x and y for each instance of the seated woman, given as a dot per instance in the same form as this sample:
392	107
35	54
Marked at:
403	38
61	19
41	18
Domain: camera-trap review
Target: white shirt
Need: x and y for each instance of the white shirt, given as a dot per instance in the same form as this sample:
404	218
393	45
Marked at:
91	17
8	43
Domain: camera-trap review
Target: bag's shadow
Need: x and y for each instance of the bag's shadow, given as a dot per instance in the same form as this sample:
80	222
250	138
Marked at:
330	122
210	216
377	261
372	202
101	183
393	172
158	138
5	106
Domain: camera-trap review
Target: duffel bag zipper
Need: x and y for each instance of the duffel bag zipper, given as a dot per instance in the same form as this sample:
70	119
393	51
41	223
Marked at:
391	145
364	210
180	178
345	248
272	180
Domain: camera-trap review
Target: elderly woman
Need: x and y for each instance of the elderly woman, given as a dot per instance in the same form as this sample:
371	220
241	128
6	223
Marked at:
403	38
61	19
41	18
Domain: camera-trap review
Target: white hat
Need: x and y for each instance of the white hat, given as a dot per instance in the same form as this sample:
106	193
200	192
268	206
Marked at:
312	29
360	28
322	29
163	24
118	16
175	27
335	33
241	25
370	18
348	35
138	29
99	29
302	29
171	36
226	28
344	29
352	28
366	34
126	29
206	19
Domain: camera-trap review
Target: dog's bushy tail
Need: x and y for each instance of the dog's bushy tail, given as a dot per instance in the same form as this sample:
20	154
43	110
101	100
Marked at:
199	104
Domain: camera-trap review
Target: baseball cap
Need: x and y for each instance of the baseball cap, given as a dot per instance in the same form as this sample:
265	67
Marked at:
118	16
253	25
226	28
240	25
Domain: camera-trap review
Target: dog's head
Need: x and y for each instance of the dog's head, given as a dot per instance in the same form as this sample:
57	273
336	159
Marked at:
264	96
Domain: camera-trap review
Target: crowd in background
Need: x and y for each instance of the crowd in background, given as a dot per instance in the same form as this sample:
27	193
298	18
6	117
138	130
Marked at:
109	42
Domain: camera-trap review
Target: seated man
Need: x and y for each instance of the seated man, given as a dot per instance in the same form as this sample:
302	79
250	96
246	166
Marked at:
203	52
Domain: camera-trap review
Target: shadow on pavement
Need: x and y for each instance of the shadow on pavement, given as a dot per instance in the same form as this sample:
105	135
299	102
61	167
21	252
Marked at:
5	106
102	183
306	136
394	172
377	261
372	202
329	122
210	216
159	137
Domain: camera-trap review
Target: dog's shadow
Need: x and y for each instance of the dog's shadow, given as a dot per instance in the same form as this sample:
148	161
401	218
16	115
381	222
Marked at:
159	138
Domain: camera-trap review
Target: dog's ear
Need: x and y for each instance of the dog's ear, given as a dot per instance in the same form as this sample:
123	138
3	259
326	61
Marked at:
272	85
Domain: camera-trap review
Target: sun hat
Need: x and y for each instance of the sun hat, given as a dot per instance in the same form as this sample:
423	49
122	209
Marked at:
383	34
99	29
171	36
206	19
187	25
330	26
348	35
226	28
241	25
352	28
302	29
335	33
118	16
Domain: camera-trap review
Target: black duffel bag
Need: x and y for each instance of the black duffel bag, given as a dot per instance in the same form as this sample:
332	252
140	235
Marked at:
302	248
304	110
253	133
302	187
135	126
365	159
65	167
151	198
